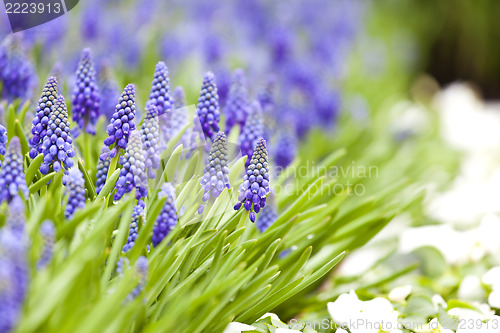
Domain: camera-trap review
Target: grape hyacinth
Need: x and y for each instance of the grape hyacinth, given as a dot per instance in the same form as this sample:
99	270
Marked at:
167	220
41	119
122	122
85	95
3	141
178	119
207	109
17	74
150	140
285	149
215	174
160	89
102	168
141	266
75	191
251	132
12	179
137	214
48	232
255	184
133	173
57	143
16	217
109	91
238	105
266	96
268	216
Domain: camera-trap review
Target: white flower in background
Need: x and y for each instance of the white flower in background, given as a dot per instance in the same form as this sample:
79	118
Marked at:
438	301
491	326
432	327
492	279
286	330
408	119
399	294
360	261
470	289
236	327
483	312
376	313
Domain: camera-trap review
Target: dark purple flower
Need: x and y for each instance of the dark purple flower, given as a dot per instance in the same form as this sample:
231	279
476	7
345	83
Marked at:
137	214
86	95
17	74
3	141
255	186
109	91
285	148
41	119
141	267
122	122
102	168
57	143
160	89
150	140
48	232
133	171
251	132
207	109
75	191
12	179
167	220
215	174
238	105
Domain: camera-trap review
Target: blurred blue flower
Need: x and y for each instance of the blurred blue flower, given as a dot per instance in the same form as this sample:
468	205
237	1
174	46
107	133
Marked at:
12	179
75	192
237	107
137	215
48	232
150	140
207	108
251	132
167	220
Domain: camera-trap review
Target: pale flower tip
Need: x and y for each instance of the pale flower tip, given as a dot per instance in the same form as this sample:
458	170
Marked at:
399	294
236	327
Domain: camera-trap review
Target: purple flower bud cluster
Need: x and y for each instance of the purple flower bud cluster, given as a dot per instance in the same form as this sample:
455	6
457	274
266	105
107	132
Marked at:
141	267
137	214
12	179
255	186
17	74
57	143
285	148
215	174
41	119
160	89
102	168
3	141
48	232
122	121
75	191
133	171
267	217
207	109
16	217
109	91
178	119
167	220
251	132
238	104
150	140
86	95
266	96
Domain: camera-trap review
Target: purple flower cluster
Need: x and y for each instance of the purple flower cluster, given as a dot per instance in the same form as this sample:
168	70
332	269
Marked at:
133	171
48	232
122	121
251	132
178	119
160	89
16	217
17	74
255	186
238	105
12	179
109	91
215	174
86	94
57	143
207	109
285	148
75	191
102	168
41	119
141	267
3	141
167	220
266	96
137	214
150	140
267	217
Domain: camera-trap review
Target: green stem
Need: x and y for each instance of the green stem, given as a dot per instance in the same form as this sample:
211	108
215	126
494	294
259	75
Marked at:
112	166
87	148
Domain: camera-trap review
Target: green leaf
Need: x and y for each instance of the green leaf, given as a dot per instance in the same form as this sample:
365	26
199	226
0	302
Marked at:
39	184
33	168
109	185
22	138
89	185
